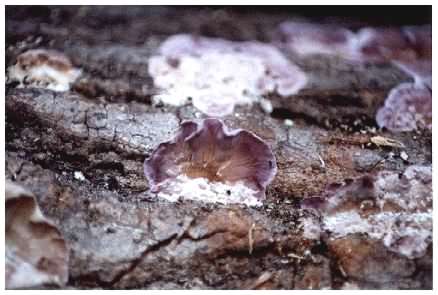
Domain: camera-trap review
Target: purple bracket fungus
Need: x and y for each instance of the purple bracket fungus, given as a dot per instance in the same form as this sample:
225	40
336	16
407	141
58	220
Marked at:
36	253
420	70
383	45
43	68
408	46
206	162
408	107
217	74
420	38
310	38
397	210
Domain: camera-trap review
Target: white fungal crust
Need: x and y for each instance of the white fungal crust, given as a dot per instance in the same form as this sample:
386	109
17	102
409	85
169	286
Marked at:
396	210
207	162
202	190
44	69
215	74
36	253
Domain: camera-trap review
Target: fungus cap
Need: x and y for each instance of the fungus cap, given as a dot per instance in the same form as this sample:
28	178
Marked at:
228	166
408	107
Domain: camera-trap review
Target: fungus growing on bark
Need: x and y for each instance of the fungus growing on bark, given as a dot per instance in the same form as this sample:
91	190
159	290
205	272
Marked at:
420	38
397	210
407	45
383	45
36	253
420	70
216	74
408	107
310	38
207	162
43	68
417	42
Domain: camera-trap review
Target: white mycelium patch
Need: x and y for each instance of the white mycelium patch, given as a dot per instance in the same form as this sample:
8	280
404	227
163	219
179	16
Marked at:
215	75
33	71
203	190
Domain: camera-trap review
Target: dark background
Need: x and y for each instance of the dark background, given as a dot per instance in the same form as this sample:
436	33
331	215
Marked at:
376	15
